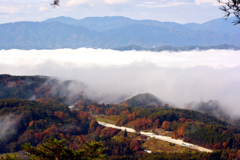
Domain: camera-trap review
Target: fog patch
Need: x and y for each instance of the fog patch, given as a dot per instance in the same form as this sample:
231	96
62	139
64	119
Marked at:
32	98
8	126
113	76
210	107
71	90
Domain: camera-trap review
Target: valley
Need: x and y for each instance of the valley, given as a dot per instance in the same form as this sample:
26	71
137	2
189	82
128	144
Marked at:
120	80
48	116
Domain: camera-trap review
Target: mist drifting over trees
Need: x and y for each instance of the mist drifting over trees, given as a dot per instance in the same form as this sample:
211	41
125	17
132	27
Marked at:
113	76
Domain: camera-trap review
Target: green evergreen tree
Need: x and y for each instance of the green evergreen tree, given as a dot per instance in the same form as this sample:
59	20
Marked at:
55	150
9	157
125	133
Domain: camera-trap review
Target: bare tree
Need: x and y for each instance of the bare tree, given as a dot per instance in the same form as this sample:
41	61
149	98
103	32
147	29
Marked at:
55	3
231	7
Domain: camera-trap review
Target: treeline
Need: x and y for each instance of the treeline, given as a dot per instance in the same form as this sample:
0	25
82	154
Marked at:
161	113
217	155
56	149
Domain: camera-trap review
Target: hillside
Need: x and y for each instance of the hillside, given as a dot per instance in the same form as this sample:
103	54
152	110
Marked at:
40	87
35	121
143	100
220	25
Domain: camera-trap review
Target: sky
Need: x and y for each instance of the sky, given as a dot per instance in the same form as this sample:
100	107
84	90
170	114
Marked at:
180	11
113	76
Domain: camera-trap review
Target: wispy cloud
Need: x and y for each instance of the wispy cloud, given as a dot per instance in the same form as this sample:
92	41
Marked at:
8	125
42	9
115	1
77	2
213	2
8	9
157	5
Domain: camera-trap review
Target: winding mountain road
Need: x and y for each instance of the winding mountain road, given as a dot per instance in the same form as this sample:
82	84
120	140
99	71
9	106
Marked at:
163	138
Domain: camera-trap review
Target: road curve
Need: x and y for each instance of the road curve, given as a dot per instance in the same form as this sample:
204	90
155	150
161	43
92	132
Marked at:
163	138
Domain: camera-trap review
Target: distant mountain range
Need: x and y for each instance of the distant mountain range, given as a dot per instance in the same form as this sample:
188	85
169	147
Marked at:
115	32
170	48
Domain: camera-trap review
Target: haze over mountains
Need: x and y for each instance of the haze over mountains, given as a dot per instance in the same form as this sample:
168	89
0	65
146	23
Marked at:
114	32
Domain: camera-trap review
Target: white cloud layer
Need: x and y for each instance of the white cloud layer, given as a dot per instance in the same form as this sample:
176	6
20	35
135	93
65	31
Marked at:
199	2
175	77
115	1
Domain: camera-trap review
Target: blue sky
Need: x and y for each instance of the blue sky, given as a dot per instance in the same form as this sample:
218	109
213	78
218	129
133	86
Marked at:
180	11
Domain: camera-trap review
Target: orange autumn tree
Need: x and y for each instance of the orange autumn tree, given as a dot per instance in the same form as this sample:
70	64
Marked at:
93	125
182	120
165	125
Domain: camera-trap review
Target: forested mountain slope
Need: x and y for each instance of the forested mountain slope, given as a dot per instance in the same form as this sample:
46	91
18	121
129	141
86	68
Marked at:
40	87
35	121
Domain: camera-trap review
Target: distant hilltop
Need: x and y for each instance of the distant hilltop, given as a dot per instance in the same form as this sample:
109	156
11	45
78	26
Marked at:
115	32
171	48
143	100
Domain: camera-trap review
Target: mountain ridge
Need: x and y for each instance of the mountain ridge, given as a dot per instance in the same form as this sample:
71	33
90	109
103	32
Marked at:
220	25
172	48
111	32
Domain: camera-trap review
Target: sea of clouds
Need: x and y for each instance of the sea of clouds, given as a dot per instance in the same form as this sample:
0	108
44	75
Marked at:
174	77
